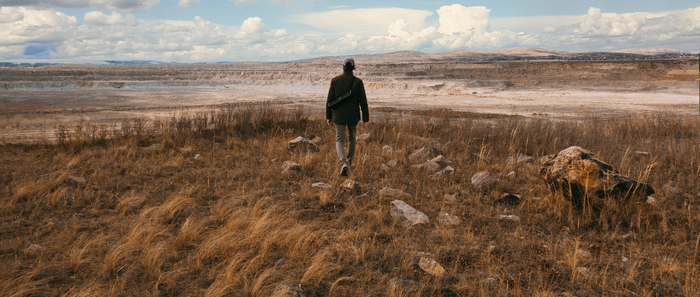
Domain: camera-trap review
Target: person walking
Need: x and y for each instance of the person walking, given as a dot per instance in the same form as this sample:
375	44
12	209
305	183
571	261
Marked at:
346	99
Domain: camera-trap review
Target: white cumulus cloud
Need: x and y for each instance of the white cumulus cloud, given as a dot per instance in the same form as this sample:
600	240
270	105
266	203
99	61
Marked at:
188	3
459	19
127	5
99	18
364	20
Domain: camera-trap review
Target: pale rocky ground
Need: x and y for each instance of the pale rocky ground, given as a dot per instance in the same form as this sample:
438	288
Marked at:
34	102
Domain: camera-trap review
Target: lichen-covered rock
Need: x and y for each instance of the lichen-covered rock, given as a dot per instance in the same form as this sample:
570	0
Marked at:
448	219
519	158
423	154
484	180
406	214
291	167
586	180
365	137
431	266
302	144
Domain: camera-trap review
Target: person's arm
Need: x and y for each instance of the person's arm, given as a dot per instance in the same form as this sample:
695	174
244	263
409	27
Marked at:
329	112
362	98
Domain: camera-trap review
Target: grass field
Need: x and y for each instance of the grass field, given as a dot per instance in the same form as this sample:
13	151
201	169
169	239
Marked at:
150	219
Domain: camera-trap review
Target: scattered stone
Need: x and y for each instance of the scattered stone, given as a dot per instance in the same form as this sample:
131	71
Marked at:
321	185
519	158
484	180
302	144
448	219
651	200
76	180
624	236
136	204
452	197
490	280
283	290
423	154
386	191
316	140
624	259
408	215
431	267
291	167
384	168
510	199
387	150
513	218
365	137
445	173
400	284
351	185
442	161
34	248
393	163
281	262
482	158
583	253
578	174
429	166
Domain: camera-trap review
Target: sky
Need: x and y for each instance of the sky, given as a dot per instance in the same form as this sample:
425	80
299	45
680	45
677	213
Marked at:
284	30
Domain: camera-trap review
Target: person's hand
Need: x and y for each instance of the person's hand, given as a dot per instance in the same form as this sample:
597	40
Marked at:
329	122
364	124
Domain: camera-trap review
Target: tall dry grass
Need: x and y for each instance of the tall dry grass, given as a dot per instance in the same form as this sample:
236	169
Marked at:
151	220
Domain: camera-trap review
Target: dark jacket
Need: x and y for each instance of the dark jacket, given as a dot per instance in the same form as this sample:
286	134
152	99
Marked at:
348	112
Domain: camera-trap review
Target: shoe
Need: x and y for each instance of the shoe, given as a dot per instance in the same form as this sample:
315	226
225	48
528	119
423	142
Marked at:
344	170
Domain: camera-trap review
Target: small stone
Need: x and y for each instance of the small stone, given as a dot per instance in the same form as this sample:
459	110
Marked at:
393	163
400	284
283	290
387	150
490	280
424	153
365	137
518	159
321	185
291	167
624	236
351	185
383	168
651	200
34	248
430	166
513	218
302	144
442	161
406	214
136	203
624	259
386	191
280	262
76	180
484	180
431	267
445	173
448	219
198	157
452	197
583	253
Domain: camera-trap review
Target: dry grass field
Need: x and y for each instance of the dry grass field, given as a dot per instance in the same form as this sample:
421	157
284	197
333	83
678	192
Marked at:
133	211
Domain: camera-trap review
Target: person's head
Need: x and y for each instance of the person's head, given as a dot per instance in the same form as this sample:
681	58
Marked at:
348	64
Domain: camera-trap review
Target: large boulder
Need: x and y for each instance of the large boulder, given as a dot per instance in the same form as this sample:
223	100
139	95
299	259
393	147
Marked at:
406	214
302	144
586	180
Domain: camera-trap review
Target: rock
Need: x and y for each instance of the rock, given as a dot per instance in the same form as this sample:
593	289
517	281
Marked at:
321	185
34	248
482	158
365	137
406	214
393	163
283	290
387	150
280	262
291	167
400	284
513	218
484	180
519	158
579	175
429	166
625	259
302	144
136	203
386	191
442	161
452	197
75	180
351	185
384	168
445	173
424	153
198	157
316	140
431	267
508	198
448	219
651	200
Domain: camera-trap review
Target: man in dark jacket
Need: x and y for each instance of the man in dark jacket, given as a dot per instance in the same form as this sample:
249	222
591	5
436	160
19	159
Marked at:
346	114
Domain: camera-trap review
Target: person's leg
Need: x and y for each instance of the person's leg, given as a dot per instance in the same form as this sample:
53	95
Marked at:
340	142
351	143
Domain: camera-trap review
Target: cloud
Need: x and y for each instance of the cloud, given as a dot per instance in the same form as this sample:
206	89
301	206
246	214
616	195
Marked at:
364	20
459	19
8	15
101	19
39	51
241	2
126	5
188	3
